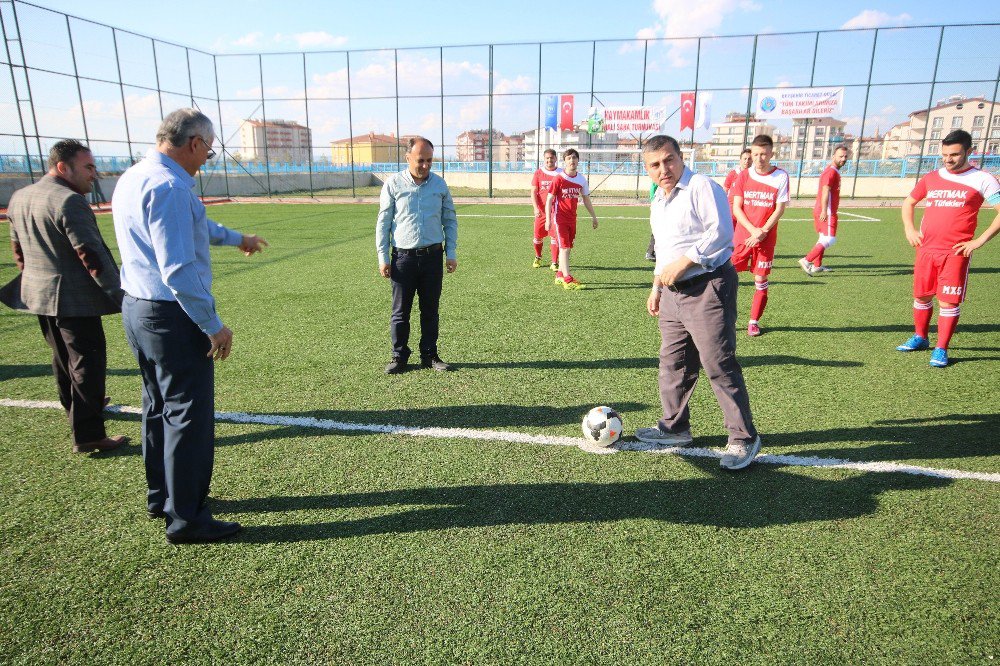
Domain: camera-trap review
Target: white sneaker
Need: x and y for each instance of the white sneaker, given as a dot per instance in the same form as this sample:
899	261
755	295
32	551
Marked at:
806	266
740	454
822	269
656	436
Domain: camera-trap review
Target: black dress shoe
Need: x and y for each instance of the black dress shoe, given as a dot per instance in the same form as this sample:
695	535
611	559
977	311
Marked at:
435	363
213	530
396	366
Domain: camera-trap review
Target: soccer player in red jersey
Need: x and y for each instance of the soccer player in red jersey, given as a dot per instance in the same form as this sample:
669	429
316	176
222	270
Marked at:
539	192
825	213
759	197
731	179
945	242
560	211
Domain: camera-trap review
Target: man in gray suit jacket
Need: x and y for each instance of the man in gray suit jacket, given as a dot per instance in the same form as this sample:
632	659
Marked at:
69	279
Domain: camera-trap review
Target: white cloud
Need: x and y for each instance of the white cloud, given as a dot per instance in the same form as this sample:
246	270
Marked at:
784	84
316	39
873	18
683	19
888	110
248	40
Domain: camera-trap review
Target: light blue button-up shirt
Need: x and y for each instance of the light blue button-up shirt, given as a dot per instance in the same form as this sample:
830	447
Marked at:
163	236
412	215
694	221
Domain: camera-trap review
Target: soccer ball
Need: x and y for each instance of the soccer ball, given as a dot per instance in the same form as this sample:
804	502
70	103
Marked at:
602	426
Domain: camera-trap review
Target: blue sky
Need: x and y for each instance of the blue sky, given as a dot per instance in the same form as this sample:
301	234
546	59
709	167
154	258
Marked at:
903	66
268	25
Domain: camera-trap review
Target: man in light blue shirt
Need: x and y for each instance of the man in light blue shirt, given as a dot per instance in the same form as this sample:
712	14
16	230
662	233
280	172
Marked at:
416	225
170	320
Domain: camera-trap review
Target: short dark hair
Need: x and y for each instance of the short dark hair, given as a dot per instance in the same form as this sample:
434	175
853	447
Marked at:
65	151
571	151
762	140
659	142
958	136
550	151
744	152
414	140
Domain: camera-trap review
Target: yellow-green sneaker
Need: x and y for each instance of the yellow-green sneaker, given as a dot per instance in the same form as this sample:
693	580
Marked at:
553	267
571	282
537	263
560	279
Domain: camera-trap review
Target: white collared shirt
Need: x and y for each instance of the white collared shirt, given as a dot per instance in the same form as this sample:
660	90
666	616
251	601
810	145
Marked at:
692	220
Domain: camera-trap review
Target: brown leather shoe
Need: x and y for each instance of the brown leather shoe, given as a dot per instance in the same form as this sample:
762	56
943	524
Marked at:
106	444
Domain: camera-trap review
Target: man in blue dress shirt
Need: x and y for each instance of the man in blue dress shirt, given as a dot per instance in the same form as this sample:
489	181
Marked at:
171	323
416	226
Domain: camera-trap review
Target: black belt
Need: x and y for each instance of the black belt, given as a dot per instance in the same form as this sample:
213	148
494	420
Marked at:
681	285
417	251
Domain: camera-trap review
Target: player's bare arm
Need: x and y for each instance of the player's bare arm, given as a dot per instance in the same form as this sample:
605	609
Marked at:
773	220
590	209
741	217
548	211
913	236
534	201
967	248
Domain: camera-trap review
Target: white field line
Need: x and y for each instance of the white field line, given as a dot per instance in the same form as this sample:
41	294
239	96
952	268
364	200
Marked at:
544	440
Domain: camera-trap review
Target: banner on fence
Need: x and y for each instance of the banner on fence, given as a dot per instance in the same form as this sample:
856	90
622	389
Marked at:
566	113
781	103
552	112
630	119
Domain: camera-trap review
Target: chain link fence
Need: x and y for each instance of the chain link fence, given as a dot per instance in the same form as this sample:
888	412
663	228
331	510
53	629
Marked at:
333	123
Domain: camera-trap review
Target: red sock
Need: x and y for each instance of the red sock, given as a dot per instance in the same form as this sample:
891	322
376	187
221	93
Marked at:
947	321
815	256
922	318
759	301
538	248
559	274
555	252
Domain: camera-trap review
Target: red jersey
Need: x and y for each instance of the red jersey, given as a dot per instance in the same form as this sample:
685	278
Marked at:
831	178
761	194
728	186
540	183
953	203
567	192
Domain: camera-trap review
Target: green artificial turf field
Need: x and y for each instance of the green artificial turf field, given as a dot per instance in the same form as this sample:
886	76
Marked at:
363	547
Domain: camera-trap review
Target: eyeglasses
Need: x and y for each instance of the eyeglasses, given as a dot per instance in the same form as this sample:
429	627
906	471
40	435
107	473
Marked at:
211	153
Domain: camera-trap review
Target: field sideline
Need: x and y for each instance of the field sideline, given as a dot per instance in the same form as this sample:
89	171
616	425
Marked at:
376	546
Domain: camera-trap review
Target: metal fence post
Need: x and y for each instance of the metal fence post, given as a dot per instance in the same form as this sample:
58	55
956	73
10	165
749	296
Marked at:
805	134
395	70
441	79
76	78
263	114
121	89
753	66
17	97
305	97
642	102
539	121
489	138
222	134
930	105
350	126
27	83
864	116
697	71
156	72
989	118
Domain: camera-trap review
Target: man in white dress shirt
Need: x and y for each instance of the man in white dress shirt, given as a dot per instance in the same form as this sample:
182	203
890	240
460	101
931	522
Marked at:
694	296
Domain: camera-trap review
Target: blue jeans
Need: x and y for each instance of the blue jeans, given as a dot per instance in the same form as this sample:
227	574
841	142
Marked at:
178	409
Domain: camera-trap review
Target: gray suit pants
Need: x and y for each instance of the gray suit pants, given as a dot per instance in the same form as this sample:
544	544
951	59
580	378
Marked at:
698	330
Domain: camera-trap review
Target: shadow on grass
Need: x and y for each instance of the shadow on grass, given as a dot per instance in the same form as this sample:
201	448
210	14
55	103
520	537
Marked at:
639	363
886	328
759	497
950	436
39	370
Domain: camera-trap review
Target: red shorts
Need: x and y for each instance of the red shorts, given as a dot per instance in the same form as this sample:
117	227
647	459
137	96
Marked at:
757	259
942	274
540	231
565	231
828	228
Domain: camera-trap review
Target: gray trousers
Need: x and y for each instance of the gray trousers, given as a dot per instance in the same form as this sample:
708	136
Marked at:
698	330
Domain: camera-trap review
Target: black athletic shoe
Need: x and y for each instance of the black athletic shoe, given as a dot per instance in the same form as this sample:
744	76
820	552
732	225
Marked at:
396	366
435	363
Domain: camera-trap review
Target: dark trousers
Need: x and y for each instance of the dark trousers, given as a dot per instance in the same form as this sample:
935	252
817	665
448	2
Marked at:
698	330
421	275
80	365
178	409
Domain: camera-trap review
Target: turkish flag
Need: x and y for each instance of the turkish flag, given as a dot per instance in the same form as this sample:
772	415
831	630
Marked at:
687	110
566	112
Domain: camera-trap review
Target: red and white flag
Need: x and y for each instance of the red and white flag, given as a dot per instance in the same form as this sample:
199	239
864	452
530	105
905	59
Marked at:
566	112
687	110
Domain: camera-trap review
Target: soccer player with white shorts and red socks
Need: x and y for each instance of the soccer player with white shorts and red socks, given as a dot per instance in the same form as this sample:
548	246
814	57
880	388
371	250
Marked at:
560	210
759	197
539	192
825	213
945	242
